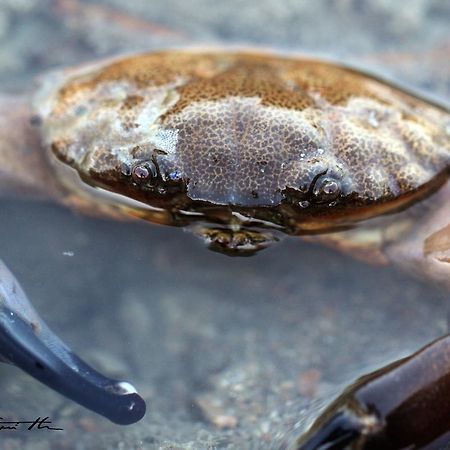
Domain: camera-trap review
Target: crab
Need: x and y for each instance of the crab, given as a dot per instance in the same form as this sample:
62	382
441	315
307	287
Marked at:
242	148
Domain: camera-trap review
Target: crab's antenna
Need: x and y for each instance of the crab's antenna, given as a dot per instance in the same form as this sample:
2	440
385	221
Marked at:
28	343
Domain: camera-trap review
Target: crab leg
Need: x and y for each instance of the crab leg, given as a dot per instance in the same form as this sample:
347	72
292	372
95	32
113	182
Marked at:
403	405
28	343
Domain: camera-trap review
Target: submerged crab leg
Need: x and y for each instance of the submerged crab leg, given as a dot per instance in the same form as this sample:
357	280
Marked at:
403	405
28	343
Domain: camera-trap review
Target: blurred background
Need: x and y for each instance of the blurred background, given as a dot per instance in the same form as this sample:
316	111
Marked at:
229	353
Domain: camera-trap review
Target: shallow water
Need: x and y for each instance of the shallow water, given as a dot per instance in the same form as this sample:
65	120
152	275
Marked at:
202	335
255	345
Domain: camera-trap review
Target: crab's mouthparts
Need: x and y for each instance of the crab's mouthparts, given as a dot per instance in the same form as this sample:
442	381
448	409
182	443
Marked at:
239	242
27	342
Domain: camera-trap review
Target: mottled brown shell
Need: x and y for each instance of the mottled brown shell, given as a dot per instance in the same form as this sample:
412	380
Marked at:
294	142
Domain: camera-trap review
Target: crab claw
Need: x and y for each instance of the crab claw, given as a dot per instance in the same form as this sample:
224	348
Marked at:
403	405
28	343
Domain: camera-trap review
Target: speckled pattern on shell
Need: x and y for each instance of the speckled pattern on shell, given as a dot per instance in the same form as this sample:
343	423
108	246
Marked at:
243	129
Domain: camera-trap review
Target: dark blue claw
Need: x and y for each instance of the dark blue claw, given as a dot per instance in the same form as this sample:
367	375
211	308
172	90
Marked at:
27	342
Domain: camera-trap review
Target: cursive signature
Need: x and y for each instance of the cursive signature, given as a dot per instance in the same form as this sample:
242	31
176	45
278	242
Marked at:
41	423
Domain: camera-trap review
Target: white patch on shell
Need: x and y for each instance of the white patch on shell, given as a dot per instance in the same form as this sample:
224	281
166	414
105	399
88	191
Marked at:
370	111
94	125
447	128
379	178
166	140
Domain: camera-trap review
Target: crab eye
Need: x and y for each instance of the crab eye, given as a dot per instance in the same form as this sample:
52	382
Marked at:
326	190
144	172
